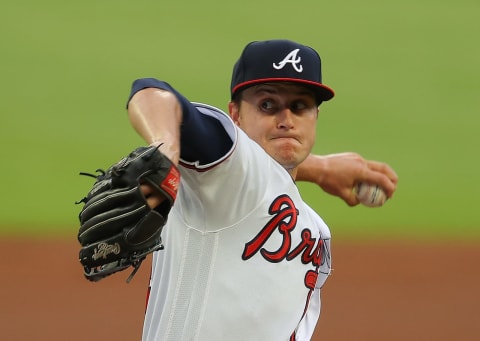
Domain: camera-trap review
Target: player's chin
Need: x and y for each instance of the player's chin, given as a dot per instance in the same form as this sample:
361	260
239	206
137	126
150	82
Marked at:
289	159
288	152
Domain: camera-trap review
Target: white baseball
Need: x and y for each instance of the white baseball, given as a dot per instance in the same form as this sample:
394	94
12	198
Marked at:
370	195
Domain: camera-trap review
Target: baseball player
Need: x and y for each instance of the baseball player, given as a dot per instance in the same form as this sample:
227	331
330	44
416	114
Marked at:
245	257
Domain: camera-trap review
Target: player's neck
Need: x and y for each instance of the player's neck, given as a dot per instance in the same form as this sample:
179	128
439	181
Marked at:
293	172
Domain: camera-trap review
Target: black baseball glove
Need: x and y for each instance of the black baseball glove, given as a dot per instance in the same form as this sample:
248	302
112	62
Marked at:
118	229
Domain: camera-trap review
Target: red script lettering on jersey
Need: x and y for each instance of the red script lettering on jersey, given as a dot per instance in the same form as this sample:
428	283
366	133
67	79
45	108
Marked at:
284	220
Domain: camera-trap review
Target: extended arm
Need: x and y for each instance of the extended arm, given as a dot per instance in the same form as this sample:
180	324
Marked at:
156	115
163	117
203	139
337	174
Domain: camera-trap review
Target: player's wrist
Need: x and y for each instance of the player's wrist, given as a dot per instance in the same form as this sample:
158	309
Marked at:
170	150
320	166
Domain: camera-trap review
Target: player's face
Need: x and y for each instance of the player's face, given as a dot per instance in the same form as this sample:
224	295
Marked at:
280	117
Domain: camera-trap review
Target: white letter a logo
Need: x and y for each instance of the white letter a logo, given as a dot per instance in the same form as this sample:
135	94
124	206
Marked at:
291	58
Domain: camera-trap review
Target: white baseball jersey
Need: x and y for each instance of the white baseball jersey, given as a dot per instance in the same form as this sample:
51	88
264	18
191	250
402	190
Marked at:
245	257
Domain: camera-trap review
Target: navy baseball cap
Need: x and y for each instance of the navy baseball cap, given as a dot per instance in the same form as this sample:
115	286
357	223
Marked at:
279	61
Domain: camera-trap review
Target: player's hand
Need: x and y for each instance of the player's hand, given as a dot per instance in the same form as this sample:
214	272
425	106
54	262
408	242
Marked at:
154	198
337	174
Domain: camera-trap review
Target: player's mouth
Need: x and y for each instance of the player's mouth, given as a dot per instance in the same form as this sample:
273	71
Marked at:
285	138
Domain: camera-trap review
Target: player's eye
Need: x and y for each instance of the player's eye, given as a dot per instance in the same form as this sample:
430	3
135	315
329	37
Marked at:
267	105
298	106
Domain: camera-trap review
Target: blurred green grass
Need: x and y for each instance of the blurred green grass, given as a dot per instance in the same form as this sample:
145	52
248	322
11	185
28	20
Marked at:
406	77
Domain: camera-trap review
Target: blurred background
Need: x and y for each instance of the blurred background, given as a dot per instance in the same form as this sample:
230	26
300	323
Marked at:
406	76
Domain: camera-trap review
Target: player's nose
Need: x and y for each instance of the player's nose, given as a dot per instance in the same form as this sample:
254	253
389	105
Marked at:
285	118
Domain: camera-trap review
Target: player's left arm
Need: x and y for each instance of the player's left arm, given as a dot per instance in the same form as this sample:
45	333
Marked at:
198	139
337	174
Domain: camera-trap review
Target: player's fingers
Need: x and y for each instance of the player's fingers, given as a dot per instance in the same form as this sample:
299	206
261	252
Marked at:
151	195
349	197
146	189
382	175
384	169
384	182
154	201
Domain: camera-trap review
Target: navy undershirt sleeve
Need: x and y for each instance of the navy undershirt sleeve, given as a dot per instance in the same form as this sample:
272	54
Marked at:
203	138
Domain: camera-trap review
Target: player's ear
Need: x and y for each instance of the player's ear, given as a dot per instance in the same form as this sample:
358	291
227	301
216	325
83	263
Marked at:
234	111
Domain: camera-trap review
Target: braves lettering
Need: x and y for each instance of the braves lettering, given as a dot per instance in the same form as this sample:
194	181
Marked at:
284	221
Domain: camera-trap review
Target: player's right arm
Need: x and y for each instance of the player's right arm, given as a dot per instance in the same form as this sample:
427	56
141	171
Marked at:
337	174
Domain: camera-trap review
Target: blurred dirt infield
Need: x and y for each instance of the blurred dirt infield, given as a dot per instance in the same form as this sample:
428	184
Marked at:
384	291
